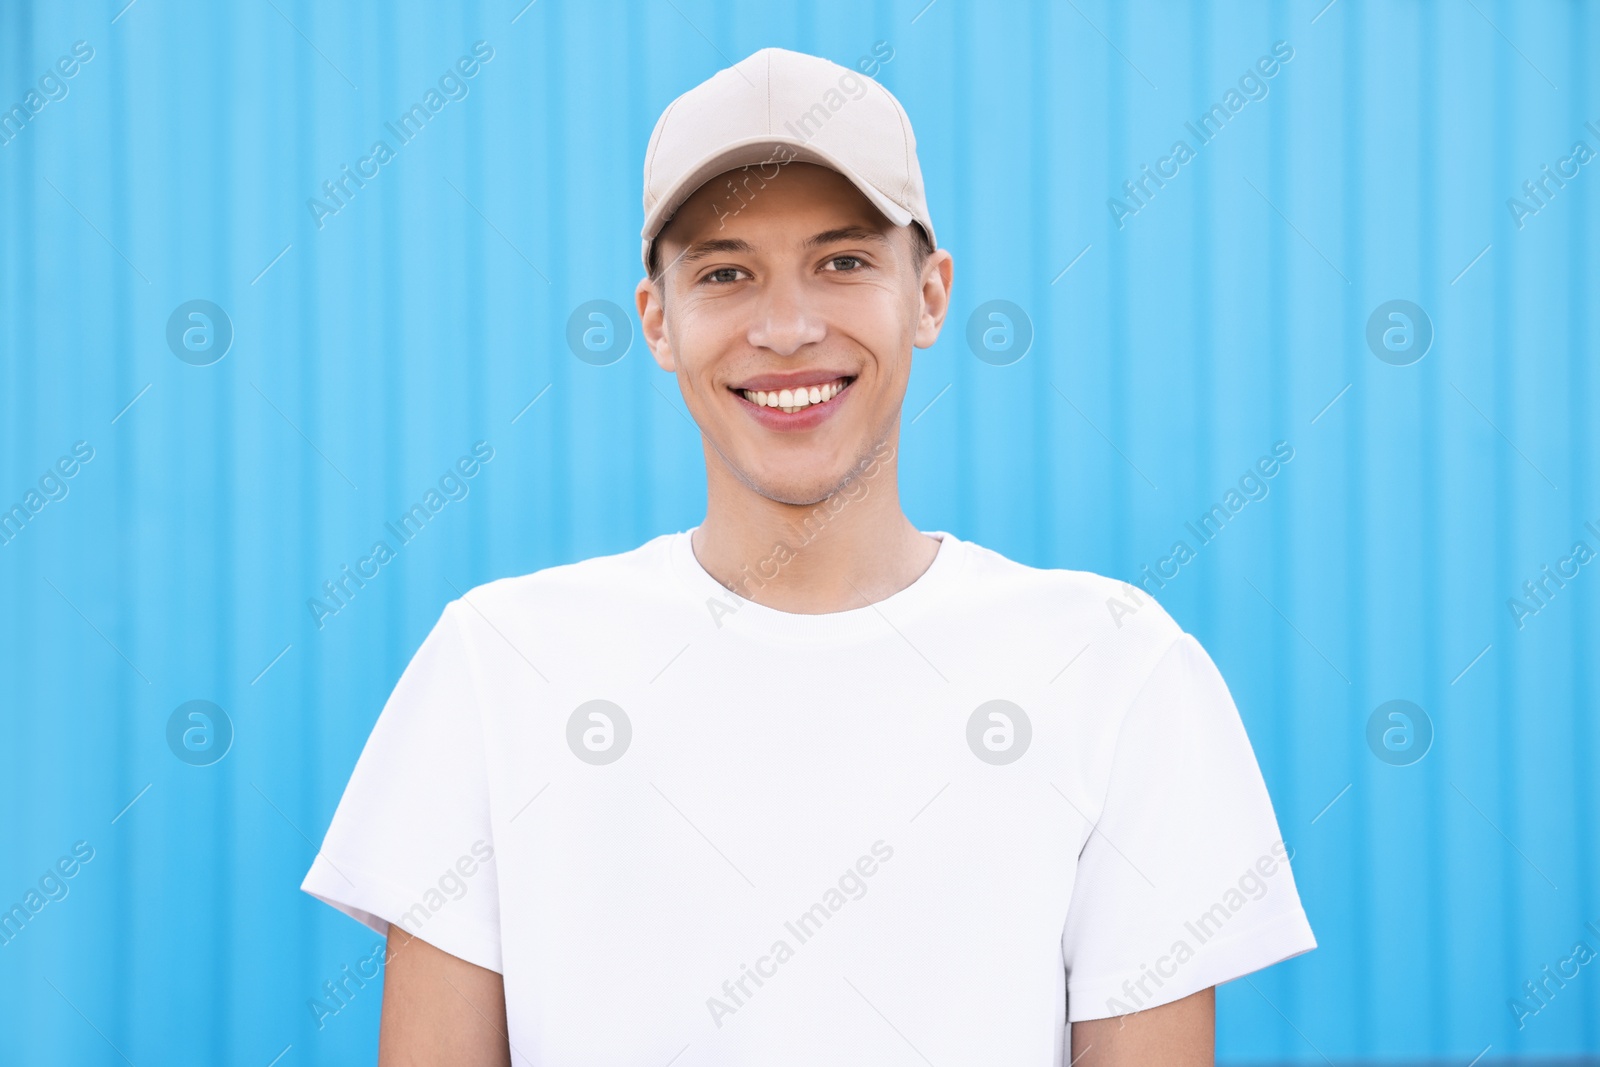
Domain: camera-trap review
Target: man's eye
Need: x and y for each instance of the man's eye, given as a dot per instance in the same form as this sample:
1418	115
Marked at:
721	271
846	259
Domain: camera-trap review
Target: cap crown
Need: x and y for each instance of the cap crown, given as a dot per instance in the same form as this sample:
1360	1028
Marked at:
777	106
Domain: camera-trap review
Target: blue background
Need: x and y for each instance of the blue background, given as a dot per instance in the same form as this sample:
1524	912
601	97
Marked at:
368	353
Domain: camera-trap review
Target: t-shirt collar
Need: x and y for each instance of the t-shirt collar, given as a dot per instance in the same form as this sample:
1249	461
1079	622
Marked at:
728	609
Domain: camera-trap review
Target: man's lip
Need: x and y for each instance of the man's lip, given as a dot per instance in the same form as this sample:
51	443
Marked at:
803	379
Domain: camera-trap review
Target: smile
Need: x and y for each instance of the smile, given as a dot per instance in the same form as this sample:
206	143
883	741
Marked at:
790	401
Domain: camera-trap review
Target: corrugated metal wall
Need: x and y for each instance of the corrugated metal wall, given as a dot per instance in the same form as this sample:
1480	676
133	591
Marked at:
1178	337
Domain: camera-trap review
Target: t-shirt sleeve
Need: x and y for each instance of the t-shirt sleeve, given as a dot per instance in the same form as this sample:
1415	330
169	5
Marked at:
1184	881
411	840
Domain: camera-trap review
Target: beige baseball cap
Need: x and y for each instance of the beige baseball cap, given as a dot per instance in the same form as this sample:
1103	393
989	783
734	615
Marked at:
774	107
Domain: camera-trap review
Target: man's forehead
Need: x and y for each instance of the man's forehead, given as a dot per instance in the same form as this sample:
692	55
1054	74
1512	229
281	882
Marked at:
710	246
801	196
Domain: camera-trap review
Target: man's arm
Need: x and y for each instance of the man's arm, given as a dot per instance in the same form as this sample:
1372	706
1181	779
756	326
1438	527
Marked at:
1180	1034
439	1009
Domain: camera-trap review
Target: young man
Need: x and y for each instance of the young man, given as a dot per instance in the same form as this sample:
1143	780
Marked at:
805	784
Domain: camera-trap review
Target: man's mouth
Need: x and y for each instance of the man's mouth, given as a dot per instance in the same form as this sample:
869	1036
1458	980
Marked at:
790	401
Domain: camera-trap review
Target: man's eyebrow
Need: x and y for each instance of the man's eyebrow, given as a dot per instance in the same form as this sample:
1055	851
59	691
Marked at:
846	233
705	249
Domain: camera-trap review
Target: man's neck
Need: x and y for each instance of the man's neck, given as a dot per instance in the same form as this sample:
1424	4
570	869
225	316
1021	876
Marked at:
846	551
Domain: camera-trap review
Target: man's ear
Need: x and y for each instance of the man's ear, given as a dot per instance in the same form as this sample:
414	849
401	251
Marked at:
653	323
937	277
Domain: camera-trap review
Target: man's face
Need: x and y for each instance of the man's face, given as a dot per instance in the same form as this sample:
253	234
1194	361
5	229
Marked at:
795	281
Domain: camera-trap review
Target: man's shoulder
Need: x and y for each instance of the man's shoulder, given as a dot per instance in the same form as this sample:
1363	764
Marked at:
1084	602
631	573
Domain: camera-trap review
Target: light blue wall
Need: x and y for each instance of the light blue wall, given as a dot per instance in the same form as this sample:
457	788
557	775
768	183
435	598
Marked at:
369	353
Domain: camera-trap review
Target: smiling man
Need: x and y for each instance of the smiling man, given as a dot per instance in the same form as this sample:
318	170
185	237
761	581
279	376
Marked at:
805	783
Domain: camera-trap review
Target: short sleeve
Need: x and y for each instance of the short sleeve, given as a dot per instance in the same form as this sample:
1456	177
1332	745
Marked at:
1184	882
411	840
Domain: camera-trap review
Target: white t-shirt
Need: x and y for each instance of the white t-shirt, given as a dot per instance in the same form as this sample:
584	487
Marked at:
683	824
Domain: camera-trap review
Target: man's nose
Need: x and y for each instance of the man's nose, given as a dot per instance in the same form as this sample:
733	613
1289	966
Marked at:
785	320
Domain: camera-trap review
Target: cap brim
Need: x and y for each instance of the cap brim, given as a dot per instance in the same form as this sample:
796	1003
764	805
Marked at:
755	151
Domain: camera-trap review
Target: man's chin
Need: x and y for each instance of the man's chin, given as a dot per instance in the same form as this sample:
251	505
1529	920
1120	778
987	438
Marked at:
796	496
800	491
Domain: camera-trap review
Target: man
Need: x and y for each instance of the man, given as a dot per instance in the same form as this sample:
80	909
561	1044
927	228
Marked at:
805	784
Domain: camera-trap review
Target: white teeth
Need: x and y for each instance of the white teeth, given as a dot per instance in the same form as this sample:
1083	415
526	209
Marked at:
792	400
